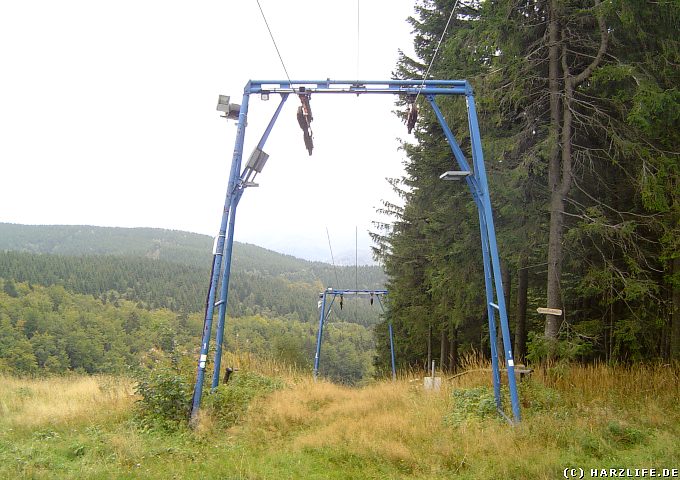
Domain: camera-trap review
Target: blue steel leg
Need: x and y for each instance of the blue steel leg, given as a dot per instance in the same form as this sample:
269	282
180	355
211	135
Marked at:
224	293
217	258
491	314
480	172
480	190
226	274
322	319
394	368
207	326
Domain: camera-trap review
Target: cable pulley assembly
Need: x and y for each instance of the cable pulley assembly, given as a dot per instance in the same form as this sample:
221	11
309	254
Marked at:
411	115
304	118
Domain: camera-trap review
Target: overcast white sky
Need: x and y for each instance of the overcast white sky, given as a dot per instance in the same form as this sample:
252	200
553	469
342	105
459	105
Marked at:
107	116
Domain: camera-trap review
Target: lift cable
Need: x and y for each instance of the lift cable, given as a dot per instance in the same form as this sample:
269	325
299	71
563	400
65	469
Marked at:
335	270
358	38
274	41
436	50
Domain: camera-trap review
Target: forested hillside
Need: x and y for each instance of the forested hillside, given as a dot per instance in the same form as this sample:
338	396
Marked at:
579	109
128	292
174	246
170	269
185	248
49	330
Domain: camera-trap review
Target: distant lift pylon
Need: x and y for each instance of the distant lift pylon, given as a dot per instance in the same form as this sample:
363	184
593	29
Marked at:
474	174
325	311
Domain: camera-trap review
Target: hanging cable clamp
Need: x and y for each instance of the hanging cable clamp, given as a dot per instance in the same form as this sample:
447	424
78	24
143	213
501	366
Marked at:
411	113
304	118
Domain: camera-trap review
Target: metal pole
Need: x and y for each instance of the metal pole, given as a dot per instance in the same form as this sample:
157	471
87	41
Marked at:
491	314
394	368
226	274
389	326
322	318
217	258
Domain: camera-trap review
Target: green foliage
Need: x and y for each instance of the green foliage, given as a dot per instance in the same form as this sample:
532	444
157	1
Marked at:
166	399
47	330
471	404
621	214
567	350
624	436
229	403
538	398
51	331
479	403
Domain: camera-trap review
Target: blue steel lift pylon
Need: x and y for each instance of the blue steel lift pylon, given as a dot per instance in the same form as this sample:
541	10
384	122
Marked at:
324	313
475	178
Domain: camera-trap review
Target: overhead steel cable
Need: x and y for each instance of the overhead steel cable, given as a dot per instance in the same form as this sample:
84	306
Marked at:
274	41
358	38
337	282
436	50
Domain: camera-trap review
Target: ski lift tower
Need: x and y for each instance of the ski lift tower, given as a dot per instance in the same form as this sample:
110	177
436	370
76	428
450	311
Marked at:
472	171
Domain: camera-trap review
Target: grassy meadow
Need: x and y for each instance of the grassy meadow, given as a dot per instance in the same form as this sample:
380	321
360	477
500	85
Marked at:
589	417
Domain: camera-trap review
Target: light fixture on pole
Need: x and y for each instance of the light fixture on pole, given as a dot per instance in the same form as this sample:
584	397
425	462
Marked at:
454	175
231	110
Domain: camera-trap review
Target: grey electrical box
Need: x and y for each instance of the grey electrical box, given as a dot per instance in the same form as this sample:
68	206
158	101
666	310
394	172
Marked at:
257	160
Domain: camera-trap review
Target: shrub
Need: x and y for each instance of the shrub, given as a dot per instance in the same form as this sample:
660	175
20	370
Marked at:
229	402
472	403
166	399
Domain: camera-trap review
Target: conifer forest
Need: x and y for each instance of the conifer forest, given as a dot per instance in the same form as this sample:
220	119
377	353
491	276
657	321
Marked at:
580	113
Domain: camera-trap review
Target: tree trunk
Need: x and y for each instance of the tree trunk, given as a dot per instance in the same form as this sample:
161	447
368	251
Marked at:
560	174
429	349
453	350
521	324
556	201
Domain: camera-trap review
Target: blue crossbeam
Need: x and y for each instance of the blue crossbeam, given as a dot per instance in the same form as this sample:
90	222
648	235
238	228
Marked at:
403	87
333	291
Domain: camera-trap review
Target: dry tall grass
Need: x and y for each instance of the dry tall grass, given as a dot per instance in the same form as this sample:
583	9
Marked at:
33	402
401	425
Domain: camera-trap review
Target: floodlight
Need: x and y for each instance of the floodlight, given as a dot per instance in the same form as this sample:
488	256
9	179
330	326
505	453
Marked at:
231	110
454	174
223	103
264	96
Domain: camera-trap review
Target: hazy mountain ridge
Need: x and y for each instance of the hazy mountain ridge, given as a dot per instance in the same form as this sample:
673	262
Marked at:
176	246
169	268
